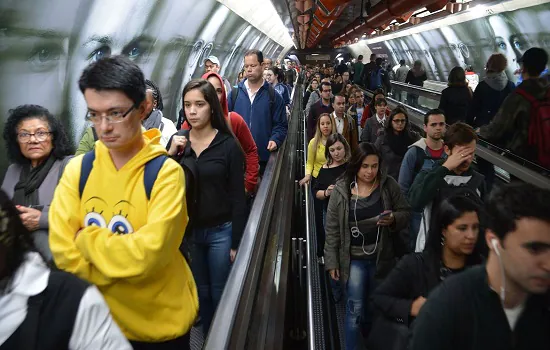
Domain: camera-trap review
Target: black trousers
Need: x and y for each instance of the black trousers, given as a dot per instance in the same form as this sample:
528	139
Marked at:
181	343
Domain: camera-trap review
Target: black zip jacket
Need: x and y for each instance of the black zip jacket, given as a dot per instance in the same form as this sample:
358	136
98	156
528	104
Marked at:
464	313
221	196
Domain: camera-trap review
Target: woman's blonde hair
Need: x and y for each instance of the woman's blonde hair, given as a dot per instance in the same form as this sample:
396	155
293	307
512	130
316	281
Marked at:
318	135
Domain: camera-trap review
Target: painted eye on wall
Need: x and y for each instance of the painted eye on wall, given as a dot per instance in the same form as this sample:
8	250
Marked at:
45	56
120	225
94	219
98	54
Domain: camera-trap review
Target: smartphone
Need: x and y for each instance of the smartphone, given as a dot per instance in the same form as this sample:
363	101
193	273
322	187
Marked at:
384	214
37	207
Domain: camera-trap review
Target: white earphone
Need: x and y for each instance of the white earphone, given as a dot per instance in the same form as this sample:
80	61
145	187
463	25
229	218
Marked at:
355	232
494	243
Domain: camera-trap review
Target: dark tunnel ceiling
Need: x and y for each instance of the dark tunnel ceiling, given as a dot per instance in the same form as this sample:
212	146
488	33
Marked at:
313	23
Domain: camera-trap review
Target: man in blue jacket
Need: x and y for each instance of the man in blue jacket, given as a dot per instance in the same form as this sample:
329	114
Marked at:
261	108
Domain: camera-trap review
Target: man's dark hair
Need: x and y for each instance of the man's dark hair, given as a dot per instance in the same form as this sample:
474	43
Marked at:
534	61
431	112
115	73
373	57
381	102
259	55
379	61
60	141
402	62
156	93
325	83
339	95
512	202
459	134
360	58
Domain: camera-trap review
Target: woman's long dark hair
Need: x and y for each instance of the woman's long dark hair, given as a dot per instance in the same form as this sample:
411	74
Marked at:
457	77
14	237
217	119
60	141
365	149
448	211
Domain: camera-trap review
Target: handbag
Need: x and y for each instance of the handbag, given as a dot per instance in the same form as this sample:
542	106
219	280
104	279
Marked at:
388	334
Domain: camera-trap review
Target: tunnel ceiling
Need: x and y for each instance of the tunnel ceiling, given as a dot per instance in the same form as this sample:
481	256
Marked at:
331	23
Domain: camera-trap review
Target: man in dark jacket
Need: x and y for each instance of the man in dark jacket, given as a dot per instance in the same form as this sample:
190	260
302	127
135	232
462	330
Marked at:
452	176
510	126
503	304
367	69
265	118
318	108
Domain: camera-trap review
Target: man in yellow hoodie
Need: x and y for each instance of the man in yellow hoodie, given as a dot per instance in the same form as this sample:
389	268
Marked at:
118	215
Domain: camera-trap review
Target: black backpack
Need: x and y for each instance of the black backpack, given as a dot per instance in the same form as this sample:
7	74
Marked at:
271	90
468	190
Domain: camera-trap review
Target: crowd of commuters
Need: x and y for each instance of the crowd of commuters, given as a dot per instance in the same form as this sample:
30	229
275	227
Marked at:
407	225
129	240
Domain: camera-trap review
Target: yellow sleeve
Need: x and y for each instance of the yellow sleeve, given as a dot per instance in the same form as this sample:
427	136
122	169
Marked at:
311	153
152	247
65	222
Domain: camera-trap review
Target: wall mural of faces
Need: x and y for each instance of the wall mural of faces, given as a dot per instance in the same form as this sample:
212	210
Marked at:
45	46
472	43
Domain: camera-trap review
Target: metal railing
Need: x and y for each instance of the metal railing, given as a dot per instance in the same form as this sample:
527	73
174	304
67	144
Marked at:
504	165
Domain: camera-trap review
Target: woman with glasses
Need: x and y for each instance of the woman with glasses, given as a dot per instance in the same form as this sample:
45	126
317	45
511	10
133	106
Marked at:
395	140
38	149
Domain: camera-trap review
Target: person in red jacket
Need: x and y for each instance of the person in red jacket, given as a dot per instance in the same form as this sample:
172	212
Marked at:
241	131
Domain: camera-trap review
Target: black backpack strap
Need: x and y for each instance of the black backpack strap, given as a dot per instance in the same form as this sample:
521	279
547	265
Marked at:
234	94
85	170
29	330
271	92
151	172
94	132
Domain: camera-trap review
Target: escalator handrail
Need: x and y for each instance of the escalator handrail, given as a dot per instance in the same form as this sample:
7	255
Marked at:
525	174
309	255
418	90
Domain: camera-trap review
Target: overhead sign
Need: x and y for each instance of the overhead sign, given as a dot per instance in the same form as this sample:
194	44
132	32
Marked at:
317	57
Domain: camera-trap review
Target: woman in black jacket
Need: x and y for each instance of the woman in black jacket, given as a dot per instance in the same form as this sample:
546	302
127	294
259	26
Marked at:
220	213
450	249
395	140
455	100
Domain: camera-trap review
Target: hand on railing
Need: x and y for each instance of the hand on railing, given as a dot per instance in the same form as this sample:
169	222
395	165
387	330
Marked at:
305	180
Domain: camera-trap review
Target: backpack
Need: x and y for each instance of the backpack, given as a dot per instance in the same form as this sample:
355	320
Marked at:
375	79
421	157
539	126
468	190
271	90
152	168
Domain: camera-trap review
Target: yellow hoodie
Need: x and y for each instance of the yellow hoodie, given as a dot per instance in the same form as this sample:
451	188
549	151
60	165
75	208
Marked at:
140	271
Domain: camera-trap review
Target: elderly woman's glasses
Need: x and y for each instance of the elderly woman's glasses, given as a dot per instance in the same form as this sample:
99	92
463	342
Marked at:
112	117
40	136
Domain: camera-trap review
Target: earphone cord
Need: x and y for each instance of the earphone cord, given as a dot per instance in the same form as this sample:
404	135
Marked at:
355	232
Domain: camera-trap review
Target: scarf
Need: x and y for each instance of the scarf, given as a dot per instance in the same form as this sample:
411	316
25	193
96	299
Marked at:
30	180
153	121
399	143
497	81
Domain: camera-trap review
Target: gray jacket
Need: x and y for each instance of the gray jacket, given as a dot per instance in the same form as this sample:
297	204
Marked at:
45	191
372	129
338	236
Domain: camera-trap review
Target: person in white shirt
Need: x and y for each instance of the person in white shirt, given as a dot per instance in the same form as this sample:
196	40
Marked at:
47	309
155	118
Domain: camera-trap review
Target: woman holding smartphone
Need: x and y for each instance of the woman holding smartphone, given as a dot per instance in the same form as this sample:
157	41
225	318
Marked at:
365	213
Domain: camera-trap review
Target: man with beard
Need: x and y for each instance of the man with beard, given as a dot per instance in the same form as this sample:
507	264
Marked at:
503	304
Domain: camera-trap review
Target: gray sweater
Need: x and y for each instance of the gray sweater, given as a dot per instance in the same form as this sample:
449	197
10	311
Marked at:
45	191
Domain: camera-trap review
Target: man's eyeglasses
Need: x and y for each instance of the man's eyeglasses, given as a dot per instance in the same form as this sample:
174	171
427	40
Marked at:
40	136
112	117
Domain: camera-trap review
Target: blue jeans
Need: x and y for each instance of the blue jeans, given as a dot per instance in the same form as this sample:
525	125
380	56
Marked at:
359	286
210	263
